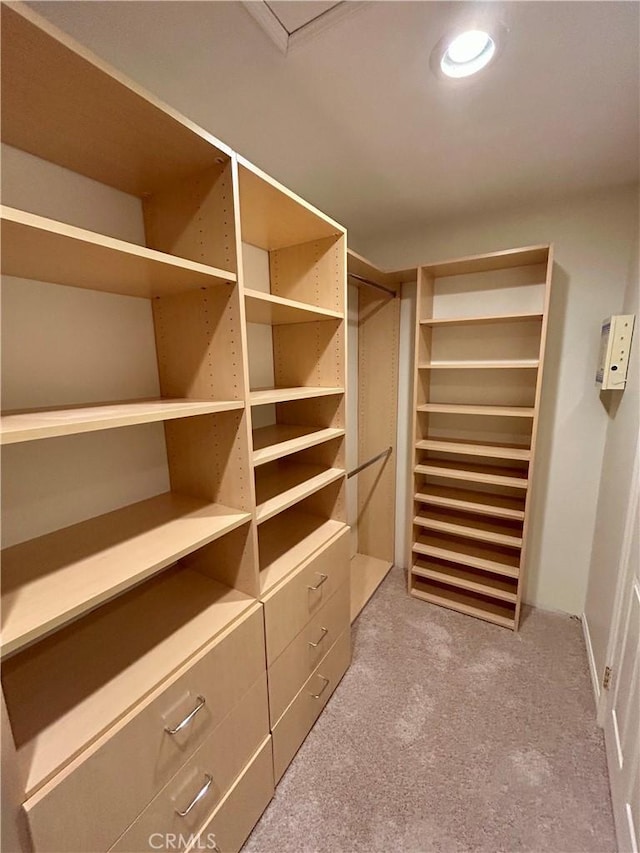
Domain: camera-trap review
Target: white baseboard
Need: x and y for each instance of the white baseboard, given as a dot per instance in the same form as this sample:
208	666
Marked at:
595	681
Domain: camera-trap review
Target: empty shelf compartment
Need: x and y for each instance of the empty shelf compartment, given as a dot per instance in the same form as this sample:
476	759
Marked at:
282	484
50	580
472	472
469	603
482	503
274	310
472	580
278	440
288	539
489	558
505	532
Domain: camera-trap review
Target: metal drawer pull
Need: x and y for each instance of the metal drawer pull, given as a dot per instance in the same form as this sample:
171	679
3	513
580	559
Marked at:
325	631
201	793
323	578
181	725
322	689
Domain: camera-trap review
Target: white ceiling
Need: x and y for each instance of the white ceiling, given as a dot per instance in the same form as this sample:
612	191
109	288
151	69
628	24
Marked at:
355	121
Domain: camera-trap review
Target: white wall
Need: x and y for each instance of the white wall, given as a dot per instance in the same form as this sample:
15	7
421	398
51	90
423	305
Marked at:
595	238
623	410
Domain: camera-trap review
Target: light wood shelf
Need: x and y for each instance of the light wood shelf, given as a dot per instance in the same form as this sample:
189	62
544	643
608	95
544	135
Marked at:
51	580
272	217
71	420
288	484
483	503
274	442
492	587
475	448
277	311
489	318
42	249
490	559
287	540
490	261
93	672
63	104
262	396
467	603
502	364
471	528
366	573
492	411
474	473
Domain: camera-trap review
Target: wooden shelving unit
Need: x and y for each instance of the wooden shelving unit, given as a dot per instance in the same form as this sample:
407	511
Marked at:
71	420
475	425
278	311
281	486
288	539
481	319
53	579
44	250
266	396
278	440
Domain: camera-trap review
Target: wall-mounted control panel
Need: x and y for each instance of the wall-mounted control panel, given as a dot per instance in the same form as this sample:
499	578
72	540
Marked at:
615	349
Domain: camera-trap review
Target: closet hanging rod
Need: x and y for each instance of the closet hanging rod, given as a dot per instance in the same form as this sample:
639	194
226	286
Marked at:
370	283
370	462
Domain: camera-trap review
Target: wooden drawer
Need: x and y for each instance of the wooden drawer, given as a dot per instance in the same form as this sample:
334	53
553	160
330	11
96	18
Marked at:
90	803
213	768
240	810
296	663
295	724
288	608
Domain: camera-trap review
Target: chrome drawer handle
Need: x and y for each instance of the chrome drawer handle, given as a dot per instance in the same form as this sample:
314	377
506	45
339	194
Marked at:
201	793
325	631
322	580
181	725
322	689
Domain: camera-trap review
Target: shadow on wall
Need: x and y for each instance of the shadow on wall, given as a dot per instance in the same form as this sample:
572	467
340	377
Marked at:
555	334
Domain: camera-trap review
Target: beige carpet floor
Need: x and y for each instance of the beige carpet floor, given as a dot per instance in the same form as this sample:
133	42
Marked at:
449	734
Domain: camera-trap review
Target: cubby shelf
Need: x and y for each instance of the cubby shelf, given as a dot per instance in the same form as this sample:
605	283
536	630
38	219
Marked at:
482	503
489	318
278	311
469	530
262	396
71	420
487	474
55	578
278	440
489	559
465	603
91	673
491	411
34	247
502	364
475	448
288	540
504	590
280	489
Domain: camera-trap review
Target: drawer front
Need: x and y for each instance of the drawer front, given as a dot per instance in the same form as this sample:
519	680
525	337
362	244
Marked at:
240	810
295	724
210	772
288	609
86	807
303	654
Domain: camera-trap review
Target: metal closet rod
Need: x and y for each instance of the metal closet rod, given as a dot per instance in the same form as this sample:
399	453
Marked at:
370	462
370	283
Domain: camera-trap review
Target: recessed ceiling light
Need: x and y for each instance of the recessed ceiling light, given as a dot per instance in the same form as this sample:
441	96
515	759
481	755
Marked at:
466	54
